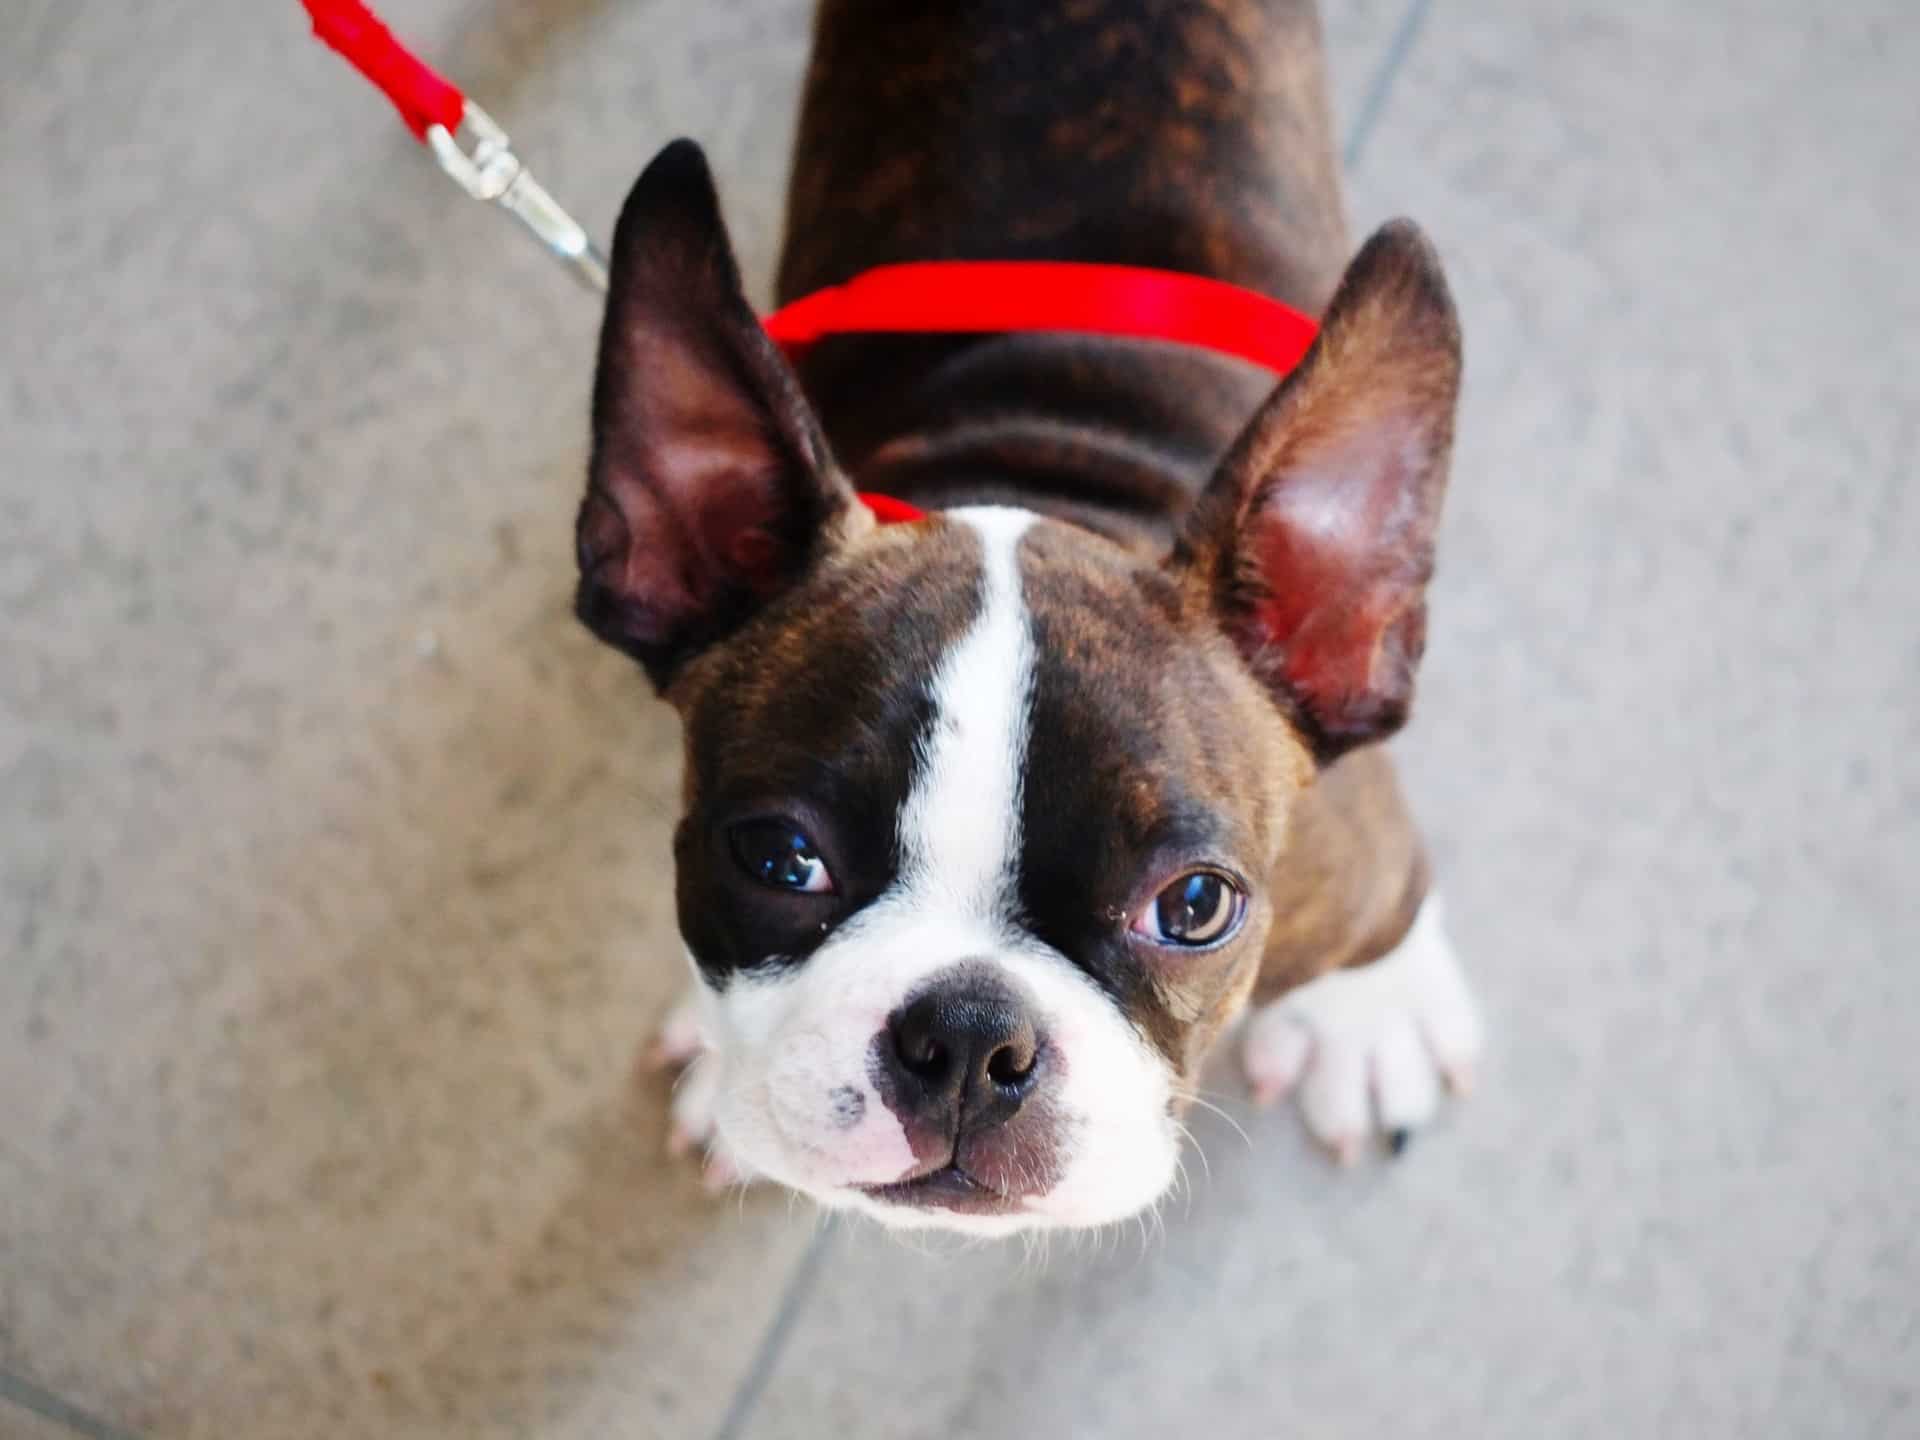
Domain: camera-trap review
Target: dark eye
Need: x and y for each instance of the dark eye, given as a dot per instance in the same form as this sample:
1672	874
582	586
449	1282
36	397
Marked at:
1197	909
778	853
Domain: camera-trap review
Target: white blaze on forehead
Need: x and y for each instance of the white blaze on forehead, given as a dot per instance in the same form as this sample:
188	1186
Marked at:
960	826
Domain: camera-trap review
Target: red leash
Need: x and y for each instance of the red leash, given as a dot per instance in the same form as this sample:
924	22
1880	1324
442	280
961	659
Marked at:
970	297
422	97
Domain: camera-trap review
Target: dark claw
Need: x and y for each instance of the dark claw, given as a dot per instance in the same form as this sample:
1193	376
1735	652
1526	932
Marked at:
1397	1142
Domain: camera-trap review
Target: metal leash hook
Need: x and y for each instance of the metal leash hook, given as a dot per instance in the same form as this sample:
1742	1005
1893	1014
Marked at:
491	171
434	110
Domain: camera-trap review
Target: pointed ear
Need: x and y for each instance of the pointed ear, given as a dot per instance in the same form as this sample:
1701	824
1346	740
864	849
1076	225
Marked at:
710	488
1314	541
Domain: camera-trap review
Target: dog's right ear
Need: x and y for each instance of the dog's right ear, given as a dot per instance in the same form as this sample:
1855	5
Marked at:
710	489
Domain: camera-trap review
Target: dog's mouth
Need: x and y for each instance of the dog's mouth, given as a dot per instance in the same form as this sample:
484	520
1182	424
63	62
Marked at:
948	1188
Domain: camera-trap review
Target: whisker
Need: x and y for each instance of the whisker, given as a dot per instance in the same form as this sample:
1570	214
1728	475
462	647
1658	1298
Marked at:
1186	1185
1198	1149
1193	1097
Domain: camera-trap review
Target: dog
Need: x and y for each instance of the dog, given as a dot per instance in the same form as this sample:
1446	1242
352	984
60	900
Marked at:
994	823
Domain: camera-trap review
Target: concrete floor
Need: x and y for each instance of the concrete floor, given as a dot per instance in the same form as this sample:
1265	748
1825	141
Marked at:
333	866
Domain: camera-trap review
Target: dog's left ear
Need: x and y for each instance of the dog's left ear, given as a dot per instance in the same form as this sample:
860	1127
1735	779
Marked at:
1314	540
710	489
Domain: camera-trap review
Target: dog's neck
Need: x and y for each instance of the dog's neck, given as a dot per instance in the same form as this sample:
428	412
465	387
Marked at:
1004	133
1112	435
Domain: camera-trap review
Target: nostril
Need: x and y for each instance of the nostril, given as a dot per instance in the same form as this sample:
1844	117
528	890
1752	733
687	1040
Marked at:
1010	1064
920	1052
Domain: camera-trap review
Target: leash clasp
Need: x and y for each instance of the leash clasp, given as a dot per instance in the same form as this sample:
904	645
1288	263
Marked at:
491	171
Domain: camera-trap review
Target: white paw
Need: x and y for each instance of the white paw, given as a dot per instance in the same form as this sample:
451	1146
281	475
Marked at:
1369	1048
680	1045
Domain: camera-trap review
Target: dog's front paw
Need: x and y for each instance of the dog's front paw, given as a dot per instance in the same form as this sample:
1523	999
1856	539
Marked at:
680	1046
1372	1045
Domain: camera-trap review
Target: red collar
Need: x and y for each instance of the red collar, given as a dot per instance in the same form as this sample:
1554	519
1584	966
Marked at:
992	296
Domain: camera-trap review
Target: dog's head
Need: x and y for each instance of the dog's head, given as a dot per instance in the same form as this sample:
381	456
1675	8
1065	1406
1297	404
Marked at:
980	812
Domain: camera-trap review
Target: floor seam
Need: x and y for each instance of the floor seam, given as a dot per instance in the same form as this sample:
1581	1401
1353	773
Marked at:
766	1356
1373	105
38	1400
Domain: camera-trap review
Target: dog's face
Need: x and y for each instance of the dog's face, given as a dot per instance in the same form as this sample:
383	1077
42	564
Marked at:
976	821
980	812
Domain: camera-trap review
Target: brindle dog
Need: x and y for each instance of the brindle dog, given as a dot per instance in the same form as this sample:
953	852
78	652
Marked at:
995	821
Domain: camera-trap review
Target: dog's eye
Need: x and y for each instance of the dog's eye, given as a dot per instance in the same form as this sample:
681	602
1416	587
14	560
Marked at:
1199	908
778	853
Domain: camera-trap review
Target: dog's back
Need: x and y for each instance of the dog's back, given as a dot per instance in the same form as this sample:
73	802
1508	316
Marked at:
1189	135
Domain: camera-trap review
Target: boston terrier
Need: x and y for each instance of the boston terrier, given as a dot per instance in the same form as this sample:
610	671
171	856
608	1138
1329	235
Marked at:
994	822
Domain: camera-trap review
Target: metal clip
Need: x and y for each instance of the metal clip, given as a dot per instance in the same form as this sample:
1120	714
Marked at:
493	172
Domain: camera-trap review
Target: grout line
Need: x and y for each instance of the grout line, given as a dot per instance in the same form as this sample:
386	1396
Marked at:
799	1289
1375	103
49	1406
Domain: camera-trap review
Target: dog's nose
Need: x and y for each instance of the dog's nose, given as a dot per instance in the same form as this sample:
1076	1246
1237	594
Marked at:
966	1048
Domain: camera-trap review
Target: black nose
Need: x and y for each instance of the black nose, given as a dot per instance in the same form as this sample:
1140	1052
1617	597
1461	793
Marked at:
964	1053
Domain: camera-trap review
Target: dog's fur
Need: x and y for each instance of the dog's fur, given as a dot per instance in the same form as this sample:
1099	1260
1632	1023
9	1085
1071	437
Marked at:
1161	614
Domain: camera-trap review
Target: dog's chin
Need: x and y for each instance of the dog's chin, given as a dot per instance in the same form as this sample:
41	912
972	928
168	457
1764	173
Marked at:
908	1208
946	1199
950	1199
949	1188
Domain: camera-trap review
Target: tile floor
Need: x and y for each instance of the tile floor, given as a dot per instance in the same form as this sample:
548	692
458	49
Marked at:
332	859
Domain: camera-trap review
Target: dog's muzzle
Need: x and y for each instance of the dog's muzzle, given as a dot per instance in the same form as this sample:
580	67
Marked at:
965	1067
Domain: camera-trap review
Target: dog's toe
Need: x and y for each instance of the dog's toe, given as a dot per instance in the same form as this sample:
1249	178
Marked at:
678	1040
1406	1084
695	1099
721	1171
1333	1095
1274	1051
